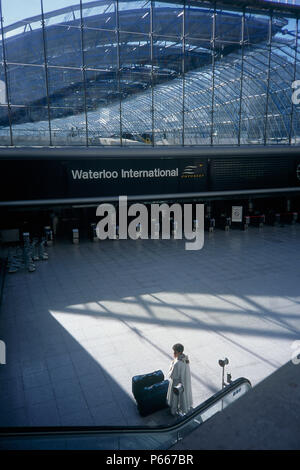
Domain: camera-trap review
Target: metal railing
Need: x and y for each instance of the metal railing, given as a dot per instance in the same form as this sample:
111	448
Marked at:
119	437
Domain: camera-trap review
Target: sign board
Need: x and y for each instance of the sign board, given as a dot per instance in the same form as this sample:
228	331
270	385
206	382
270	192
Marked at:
237	214
53	178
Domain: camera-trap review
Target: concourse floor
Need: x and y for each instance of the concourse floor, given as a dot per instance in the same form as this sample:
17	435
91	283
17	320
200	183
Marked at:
95	314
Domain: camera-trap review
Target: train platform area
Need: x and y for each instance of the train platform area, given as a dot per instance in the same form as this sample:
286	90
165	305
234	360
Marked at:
95	314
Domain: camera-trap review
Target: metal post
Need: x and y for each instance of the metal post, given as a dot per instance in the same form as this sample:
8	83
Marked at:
46	72
119	66
242	76
6	80
268	77
83	75
294	78
152	71
222	384
183	73
213	74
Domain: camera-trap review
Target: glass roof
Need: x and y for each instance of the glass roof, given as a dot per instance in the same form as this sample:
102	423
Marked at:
142	72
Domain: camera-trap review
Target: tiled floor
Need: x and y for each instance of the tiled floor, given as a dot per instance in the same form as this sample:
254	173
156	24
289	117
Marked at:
94	315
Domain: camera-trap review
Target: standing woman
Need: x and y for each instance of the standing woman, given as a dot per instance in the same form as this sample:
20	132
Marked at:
180	399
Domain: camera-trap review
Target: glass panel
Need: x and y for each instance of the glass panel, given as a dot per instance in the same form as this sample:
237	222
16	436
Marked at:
254	96
64	47
53	14
283	43
296	124
278	127
23	38
104	125
4	126
256	62
198	94
167	56
68	126
281	76
198	108
295	136
296	106
26	48
100	49
168	19
168	108
280	103
227	86
135	53
198	23
26	85
135	78
103	102
101	89
63	36
30	125
167	62
65	87
253	110
137	119
17	11
3	90
228	27
70	54
197	54
257	28
135	16
101	16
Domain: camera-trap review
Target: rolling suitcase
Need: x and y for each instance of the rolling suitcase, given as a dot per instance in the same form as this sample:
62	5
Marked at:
145	380
153	398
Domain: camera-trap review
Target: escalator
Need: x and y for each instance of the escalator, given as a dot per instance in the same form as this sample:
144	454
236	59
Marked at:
121	438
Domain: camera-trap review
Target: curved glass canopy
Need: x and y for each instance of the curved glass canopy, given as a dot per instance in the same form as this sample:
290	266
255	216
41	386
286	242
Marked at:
146	73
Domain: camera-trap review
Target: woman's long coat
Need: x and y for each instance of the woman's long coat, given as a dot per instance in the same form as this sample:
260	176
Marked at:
179	372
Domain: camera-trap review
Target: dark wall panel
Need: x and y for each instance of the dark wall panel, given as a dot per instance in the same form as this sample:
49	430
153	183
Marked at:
26	178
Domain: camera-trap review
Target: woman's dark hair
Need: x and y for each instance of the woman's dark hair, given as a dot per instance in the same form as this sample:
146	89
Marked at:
178	348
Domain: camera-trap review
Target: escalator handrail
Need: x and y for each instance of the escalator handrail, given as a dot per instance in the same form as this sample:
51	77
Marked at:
76	430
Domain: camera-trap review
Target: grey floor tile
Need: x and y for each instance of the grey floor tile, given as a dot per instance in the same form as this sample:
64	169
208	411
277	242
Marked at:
36	395
14	417
97	397
33	367
90	381
11	400
74	403
110	415
62	372
65	388
44	414
77	419
58	360
36	379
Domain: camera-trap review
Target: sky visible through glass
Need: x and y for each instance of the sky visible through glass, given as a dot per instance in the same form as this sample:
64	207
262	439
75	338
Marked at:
16	10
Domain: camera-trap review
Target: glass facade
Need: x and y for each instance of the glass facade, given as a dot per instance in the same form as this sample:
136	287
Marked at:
78	72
